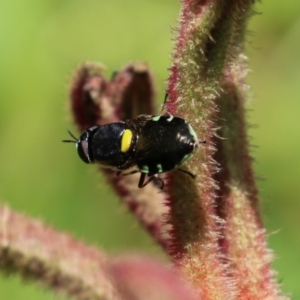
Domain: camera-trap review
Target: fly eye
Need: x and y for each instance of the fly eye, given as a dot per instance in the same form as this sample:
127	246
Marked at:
83	150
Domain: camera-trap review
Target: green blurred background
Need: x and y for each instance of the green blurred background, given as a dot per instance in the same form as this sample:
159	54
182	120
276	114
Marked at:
42	42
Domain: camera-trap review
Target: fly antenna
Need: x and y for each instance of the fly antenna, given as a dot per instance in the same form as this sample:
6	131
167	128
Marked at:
75	139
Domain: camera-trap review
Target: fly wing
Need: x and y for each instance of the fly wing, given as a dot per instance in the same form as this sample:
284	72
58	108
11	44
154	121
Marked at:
154	142
163	143
156	149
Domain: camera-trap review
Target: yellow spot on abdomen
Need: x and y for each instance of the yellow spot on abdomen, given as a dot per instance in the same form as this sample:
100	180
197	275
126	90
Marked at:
126	140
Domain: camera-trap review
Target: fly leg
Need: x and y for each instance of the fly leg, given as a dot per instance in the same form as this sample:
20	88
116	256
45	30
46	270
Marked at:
143	183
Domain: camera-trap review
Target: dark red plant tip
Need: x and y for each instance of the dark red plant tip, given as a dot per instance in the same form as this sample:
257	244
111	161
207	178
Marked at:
87	89
96	101
134	91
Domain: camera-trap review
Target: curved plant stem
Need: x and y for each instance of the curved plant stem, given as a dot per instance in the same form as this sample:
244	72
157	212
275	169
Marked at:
218	239
37	252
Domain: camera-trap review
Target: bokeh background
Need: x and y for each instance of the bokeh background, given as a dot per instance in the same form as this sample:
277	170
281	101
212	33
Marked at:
42	43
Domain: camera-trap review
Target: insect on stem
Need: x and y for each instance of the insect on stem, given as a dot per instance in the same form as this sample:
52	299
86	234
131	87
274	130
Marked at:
148	144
